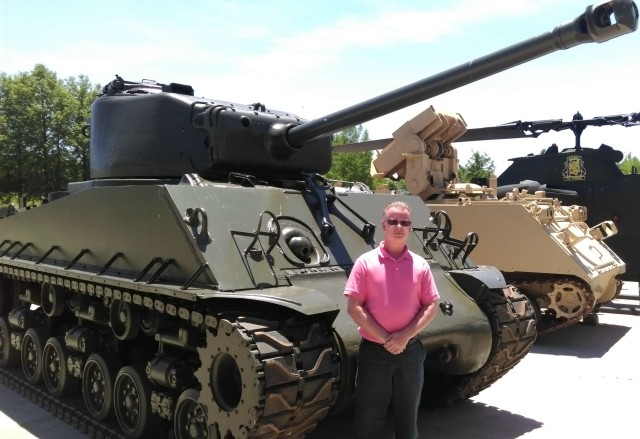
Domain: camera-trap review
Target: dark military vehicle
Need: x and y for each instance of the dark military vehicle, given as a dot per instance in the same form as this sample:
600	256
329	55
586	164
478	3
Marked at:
193	288
578	175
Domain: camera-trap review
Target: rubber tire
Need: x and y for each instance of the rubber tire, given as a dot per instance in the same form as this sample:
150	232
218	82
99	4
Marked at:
147	421
39	337
67	383
9	357
181	425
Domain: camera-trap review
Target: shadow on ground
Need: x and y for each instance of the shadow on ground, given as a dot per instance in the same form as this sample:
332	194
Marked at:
582	341
467	419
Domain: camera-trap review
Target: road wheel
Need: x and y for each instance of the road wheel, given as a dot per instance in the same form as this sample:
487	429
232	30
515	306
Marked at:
31	354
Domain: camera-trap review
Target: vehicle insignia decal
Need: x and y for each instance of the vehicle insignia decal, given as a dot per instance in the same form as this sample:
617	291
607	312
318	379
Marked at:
574	169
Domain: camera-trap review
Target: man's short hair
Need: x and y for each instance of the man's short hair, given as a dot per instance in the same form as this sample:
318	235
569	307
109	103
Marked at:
397	205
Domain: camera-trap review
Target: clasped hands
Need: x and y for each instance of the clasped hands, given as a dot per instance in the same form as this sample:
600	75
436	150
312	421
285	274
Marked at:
396	343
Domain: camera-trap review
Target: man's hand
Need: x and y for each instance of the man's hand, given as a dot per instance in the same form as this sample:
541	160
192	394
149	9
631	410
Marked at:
396	343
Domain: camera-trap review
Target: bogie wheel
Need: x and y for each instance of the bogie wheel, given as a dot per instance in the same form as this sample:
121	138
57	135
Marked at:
9	356
31	353
98	378
57	378
190	421
132	402
591	319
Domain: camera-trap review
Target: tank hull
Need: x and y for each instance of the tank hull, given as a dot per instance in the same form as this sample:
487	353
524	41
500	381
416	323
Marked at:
173	289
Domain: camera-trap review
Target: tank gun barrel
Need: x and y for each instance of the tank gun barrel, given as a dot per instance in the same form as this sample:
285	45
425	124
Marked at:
599	23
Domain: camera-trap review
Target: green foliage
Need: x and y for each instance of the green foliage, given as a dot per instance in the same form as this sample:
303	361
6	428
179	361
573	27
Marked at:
351	166
628	163
41	119
394	185
479	165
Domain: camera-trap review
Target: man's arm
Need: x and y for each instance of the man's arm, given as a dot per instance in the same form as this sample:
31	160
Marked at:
397	342
364	319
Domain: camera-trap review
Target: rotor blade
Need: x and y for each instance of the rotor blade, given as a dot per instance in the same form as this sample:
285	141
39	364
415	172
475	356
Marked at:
508	131
519	129
371	145
512	130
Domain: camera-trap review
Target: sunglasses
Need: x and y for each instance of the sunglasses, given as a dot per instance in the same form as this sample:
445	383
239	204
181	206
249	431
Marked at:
395	222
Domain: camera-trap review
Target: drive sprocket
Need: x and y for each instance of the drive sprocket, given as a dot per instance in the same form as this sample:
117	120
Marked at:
570	301
264	379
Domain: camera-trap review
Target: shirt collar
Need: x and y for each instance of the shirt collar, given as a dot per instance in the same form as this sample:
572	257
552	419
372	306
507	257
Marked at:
383	253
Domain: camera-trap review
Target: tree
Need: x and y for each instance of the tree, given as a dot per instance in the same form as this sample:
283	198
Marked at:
629	162
479	166
351	166
84	93
41	118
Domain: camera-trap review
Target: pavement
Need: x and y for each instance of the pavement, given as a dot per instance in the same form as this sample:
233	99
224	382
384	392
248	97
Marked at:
582	381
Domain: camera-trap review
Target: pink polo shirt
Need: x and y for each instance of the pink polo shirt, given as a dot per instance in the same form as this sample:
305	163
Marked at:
392	290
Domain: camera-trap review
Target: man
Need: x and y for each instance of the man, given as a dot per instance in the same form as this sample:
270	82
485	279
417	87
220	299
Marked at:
392	297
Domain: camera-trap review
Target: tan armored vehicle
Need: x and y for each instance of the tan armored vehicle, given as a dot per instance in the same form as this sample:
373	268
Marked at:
545	249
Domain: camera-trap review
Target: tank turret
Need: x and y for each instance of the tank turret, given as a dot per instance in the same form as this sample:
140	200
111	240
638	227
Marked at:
156	130
194	287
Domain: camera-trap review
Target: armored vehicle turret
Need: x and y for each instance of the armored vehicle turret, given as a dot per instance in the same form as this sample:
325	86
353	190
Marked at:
193	287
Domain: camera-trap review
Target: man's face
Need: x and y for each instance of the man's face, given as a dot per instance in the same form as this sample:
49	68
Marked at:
392	224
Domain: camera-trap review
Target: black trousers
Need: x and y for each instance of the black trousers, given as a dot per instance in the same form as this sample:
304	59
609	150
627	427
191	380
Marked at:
385	380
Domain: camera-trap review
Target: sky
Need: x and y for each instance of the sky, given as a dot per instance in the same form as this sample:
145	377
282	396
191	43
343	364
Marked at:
315	58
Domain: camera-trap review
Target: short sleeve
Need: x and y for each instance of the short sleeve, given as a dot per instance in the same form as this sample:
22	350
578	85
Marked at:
357	281
429	293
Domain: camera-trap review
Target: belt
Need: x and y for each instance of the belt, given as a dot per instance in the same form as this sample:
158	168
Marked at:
411	341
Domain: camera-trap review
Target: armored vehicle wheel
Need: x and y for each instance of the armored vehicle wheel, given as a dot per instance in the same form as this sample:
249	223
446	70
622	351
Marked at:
132	402
9	357
190	421
150	322
124	319
74	301
591	319
98	378
56	376
53	299
263	378
31	354
568	301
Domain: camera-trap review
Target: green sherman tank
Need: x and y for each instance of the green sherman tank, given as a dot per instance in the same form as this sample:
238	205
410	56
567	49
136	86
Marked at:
193	287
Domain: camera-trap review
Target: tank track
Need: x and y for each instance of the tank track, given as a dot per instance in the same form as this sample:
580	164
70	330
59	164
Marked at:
547	320
288	379
513	322
72	412
513	325
278	377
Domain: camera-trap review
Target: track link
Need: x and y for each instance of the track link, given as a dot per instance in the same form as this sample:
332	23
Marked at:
72	412
288	382
513	324
548	322
291	363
